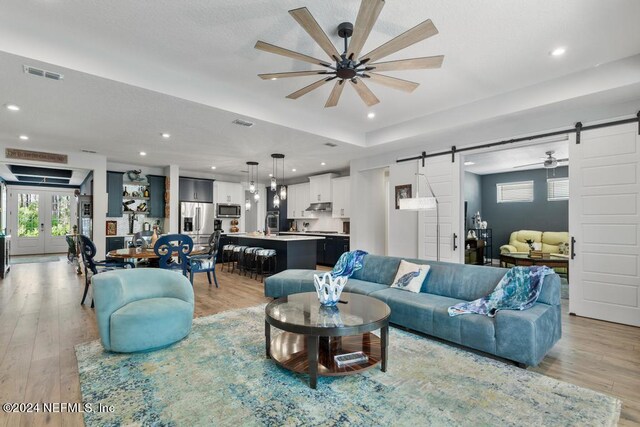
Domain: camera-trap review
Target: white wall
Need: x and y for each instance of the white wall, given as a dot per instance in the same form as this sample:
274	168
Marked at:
368	211
403	225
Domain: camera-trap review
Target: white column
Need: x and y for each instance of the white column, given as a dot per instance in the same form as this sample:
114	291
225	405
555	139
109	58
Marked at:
173	173
100	206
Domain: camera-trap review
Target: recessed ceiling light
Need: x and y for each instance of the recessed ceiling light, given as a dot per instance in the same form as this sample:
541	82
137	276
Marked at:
13	107
142	153
559	51
270	175
274	78
166	135
323	164
469	163
371	115
213	167
293	170
24	137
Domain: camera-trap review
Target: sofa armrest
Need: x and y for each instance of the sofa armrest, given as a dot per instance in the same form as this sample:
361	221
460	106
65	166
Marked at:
108	296
507	249
526	336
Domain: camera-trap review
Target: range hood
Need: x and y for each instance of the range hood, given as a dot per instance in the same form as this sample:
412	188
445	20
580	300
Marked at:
320	207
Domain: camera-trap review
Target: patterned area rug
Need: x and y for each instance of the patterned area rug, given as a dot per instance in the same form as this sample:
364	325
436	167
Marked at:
219	376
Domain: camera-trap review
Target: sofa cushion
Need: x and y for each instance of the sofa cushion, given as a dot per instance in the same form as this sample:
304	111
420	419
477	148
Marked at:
378	269
427	313
519	239
135	326
551	241
361	287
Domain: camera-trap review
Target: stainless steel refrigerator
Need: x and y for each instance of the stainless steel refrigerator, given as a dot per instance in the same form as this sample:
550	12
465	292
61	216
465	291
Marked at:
197	220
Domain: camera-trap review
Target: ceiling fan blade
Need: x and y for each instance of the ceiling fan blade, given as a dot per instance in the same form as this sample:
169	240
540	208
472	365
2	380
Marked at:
260	45
273	76
409	64
311	26
562	160
530	164
365	93
418	33
305	90
366	19
334	97
393	82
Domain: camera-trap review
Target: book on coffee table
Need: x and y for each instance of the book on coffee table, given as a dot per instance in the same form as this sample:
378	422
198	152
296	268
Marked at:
350	359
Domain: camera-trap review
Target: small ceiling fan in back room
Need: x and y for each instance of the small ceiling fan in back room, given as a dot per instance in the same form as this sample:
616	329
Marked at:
350	66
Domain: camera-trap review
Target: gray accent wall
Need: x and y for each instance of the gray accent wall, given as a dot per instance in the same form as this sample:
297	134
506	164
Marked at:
504	218
472	195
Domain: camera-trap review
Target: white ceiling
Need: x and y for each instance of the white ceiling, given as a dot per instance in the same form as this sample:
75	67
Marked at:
507	158
202	51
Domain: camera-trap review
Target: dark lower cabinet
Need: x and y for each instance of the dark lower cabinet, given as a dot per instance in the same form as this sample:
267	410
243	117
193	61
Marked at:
114	243
330	249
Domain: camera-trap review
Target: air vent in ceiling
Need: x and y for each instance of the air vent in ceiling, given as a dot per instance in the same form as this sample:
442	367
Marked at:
89	151
241	122
42	73
330	144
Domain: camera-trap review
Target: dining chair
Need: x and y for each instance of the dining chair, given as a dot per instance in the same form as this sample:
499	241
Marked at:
179	244
206	263
88	253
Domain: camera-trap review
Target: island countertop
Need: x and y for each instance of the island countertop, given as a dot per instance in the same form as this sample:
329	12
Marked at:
279	238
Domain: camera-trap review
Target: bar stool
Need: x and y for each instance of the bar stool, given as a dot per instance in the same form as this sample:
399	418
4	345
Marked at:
250	263
237	257
227	256
266	256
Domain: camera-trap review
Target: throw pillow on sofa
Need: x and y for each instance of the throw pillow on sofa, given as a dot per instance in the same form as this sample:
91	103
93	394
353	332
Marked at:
410	276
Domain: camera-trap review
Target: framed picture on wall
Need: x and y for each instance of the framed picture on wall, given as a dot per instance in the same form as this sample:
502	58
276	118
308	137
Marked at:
112	228
402	192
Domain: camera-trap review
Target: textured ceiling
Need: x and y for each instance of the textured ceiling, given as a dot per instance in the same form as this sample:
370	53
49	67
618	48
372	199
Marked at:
203	50
135	69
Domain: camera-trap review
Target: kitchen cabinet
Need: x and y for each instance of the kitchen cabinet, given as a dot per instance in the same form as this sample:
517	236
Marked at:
329	250
228	192
298	201
341	197
195	190
114	194
156	195
320	188
114	243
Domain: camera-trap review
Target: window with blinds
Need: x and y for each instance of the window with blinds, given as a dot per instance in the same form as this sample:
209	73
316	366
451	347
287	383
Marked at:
557	189
510	192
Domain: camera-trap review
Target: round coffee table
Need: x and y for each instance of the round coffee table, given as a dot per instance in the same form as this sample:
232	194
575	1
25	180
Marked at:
314	334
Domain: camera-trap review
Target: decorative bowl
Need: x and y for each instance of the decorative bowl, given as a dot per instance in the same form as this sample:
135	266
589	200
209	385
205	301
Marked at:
328	288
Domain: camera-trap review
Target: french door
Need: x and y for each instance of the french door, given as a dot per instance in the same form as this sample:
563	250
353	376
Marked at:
604	195
39	219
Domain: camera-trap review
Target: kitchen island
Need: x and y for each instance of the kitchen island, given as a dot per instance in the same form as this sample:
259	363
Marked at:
293	251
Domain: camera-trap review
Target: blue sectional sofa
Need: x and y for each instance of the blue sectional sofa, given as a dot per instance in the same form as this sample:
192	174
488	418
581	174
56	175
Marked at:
521	336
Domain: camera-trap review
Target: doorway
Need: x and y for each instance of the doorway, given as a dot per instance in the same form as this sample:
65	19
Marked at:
39	219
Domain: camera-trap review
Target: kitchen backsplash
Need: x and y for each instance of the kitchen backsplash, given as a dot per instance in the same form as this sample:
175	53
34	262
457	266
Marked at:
323	222
123	223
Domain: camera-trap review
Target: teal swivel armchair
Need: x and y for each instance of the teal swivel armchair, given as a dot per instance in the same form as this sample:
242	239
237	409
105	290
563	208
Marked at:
142	309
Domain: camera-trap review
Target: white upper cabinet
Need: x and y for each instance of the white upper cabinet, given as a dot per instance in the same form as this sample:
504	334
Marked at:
292	191
340	197
227	192
320	188
302	196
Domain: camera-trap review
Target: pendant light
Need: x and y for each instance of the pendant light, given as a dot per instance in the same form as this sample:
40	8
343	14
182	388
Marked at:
247	205
283	189
274	165
253	172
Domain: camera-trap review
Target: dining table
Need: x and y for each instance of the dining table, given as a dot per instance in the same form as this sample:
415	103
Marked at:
147	253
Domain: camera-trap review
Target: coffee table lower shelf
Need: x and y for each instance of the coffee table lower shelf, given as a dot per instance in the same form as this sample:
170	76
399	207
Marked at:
291	351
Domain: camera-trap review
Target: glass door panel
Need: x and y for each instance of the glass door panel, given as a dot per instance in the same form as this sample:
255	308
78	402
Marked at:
29	235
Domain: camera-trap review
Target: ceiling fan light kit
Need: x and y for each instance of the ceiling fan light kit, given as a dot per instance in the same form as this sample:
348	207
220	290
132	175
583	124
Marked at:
349	65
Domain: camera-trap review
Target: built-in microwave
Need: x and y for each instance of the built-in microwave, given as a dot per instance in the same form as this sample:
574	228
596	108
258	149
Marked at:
227	210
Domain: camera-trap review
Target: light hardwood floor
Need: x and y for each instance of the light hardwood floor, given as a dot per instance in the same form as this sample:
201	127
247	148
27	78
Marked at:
41	320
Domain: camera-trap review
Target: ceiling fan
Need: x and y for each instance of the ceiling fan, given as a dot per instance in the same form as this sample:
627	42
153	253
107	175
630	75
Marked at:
350	65
548	162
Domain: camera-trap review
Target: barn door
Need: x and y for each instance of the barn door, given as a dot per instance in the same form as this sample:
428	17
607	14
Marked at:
445	177
605	223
